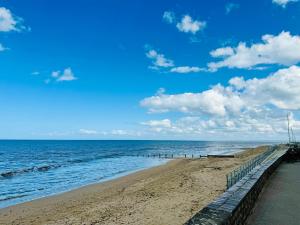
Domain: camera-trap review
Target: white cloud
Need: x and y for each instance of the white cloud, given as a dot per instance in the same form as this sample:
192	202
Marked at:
88	132
188	25
251	123
187	69
283	49
169	17
241	125
242	108
237	82
159	60
279	90
222	52
236	127
283	3
217	100
66	75
8	22
158	123
231	6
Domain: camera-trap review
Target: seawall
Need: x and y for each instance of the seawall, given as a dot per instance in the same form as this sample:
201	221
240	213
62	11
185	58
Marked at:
234	205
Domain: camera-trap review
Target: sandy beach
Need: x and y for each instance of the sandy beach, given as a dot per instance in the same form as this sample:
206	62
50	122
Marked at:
167	194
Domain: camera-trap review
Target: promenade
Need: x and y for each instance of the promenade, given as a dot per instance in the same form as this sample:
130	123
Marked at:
279	202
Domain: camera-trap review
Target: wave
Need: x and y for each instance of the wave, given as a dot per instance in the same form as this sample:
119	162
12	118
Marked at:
10	174
44	168
83	160
12	197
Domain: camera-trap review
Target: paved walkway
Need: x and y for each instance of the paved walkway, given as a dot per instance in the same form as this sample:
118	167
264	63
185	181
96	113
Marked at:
279	203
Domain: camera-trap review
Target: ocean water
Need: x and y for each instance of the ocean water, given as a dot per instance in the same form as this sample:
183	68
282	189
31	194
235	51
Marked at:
34	169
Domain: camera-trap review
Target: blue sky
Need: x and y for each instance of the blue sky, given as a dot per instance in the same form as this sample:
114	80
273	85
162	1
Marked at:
204	70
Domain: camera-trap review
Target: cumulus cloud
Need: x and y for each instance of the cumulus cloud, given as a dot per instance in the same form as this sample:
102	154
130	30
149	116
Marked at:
283	3
283	49
159	60
243	125
187	69
244	107
231	6
169	17
217	100
279	90
188	25
66	75
8	22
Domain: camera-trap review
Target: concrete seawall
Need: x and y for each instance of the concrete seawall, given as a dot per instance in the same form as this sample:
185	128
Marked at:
234	205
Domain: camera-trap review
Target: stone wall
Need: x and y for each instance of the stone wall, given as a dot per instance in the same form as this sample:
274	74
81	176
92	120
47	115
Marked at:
234	205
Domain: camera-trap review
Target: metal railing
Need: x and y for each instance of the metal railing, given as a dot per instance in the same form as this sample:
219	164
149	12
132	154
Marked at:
236	175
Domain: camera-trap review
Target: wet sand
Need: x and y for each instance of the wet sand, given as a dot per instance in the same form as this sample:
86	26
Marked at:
163	195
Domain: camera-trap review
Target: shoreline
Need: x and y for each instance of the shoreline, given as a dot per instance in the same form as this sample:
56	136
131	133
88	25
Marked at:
88	186
166	194
117	176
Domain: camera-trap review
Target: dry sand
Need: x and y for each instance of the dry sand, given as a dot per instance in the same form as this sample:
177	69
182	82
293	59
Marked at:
165	195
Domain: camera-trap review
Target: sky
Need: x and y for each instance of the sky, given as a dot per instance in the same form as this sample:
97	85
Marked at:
172	69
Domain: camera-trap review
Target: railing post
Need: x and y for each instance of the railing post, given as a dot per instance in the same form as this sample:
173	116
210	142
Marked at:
227	181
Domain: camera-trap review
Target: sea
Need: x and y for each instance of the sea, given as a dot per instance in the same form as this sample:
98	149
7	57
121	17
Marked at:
34	169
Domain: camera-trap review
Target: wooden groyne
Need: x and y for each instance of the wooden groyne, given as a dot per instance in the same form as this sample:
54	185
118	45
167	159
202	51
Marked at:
184	156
